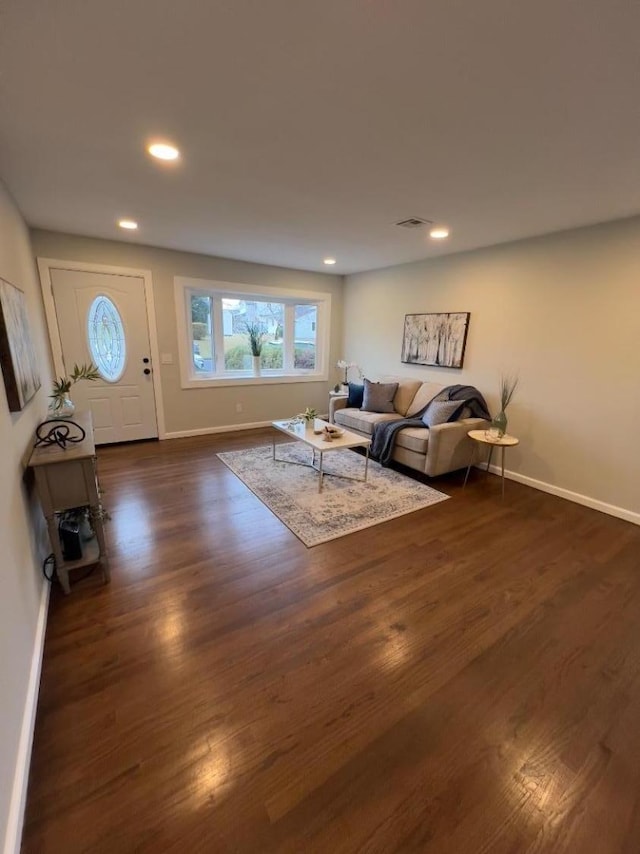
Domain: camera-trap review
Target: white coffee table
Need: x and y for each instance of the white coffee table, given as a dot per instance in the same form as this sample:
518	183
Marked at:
303	432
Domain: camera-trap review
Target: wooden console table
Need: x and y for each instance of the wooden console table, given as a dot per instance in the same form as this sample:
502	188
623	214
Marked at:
65	479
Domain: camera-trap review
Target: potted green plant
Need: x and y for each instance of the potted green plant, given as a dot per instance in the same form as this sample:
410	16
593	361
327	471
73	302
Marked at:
61	404
508	386
256	341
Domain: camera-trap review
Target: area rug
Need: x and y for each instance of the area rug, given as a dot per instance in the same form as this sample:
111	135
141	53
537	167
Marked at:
343	506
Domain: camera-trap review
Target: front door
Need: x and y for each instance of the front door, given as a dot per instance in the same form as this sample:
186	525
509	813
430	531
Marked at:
102	318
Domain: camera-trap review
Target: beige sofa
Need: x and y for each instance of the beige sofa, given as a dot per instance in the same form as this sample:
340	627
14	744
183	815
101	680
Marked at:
432	451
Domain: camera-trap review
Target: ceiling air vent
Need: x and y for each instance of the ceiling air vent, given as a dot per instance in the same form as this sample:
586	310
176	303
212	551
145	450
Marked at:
413	222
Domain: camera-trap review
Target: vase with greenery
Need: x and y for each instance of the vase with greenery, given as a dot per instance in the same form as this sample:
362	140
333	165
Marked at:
256	341
508	386
61	404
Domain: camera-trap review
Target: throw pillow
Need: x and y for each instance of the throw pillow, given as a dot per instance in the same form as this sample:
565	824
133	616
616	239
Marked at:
356	395
441	411
378	397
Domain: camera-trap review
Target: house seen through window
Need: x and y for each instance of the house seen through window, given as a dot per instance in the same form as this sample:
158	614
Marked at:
219	346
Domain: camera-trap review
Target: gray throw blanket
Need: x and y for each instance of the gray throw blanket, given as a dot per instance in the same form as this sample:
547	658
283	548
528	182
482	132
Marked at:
384	435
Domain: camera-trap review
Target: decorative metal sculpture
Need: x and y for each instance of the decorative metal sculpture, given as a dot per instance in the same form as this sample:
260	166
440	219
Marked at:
64	432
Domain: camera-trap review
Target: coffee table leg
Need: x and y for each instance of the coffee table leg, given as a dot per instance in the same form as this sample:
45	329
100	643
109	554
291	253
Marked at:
366	463
320	474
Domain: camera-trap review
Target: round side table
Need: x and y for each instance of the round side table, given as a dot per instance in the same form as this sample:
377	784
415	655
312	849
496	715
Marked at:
483	438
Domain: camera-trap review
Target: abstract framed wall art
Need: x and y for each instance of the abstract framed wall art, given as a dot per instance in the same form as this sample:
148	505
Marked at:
435	339
17	356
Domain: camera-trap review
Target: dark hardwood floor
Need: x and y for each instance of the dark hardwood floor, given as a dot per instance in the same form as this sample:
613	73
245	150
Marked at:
463	679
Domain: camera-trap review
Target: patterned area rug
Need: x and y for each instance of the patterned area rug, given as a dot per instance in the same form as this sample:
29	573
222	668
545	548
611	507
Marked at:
343	506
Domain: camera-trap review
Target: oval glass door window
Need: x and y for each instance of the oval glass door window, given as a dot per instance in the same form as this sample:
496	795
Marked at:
106	338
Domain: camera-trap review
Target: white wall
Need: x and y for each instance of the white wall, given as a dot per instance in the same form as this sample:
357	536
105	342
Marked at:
23	541
196	409
564	312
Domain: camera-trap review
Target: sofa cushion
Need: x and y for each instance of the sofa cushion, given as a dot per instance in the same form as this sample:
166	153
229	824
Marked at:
358	419
356	394
378	397
424	395
405	394
413	439
441	411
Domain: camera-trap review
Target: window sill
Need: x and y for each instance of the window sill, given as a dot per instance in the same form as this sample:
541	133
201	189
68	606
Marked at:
264	379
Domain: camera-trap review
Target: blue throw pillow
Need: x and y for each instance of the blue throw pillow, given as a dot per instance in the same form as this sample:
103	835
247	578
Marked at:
356	395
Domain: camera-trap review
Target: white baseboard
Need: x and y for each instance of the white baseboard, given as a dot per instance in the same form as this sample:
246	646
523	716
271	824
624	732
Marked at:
205	431
13	835
576	497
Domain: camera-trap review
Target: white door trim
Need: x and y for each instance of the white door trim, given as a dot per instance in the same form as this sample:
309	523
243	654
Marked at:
45	265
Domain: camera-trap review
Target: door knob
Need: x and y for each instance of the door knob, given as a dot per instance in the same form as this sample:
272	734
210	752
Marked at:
147	371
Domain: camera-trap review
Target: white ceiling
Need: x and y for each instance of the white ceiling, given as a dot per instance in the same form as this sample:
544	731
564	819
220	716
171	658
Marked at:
308	127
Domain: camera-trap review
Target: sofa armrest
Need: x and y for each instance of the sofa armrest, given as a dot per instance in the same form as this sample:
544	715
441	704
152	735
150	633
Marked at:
450	448
336	403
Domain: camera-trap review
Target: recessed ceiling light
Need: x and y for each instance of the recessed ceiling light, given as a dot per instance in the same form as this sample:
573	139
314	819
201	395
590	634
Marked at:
163	151
129	224
439	232
330	261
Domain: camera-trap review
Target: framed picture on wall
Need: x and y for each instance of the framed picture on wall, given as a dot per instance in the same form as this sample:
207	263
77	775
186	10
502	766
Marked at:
17	357
435	339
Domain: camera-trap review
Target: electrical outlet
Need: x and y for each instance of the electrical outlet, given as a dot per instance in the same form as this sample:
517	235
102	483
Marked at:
238	407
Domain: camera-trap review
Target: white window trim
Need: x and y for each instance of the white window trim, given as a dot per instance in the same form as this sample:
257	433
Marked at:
183	285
